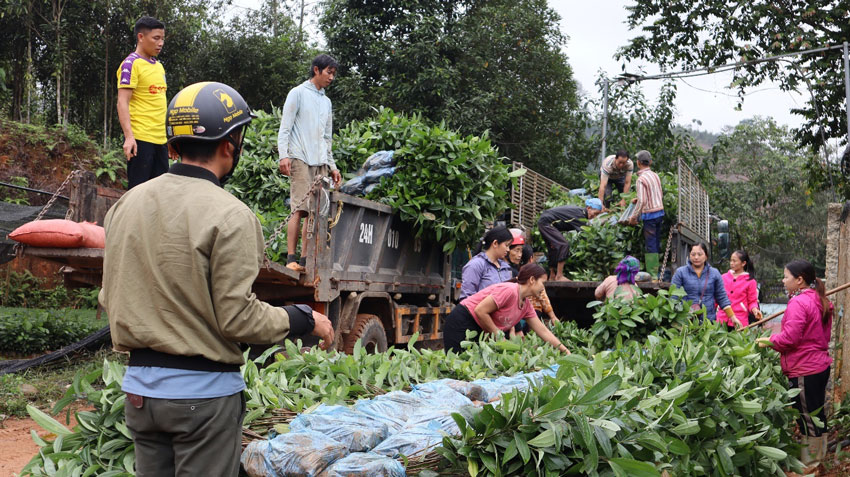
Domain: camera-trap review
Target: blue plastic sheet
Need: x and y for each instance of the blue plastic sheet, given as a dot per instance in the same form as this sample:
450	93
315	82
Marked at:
440	394
392	408
366	464
305	453
358	431
434	420
379	165
410	442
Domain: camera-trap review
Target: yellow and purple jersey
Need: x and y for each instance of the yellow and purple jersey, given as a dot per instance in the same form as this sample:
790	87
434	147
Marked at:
148	105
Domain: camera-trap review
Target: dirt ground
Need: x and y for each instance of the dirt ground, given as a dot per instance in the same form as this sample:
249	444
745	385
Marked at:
16	444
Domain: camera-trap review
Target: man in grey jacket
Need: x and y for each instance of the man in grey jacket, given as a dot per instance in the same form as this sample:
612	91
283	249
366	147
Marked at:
304	146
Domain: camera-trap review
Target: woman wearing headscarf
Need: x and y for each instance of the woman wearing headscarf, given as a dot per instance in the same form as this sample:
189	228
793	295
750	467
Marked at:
622	284
803	346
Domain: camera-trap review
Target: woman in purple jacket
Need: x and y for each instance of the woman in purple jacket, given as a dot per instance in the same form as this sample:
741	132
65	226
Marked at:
488	267
803	346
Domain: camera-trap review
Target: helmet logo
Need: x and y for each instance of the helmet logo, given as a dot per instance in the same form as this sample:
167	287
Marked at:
226	101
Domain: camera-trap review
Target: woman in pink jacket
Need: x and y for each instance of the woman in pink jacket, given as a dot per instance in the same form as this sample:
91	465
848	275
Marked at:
803	346
741	288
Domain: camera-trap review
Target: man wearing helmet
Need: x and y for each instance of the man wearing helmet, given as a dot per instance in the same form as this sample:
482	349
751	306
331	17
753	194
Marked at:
181	257
304	145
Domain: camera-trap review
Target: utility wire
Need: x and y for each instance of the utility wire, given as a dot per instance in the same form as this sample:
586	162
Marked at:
708	70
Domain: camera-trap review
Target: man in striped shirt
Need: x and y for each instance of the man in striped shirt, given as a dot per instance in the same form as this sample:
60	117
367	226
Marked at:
649	208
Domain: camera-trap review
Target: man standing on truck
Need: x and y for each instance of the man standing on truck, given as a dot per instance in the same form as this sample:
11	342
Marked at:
304	146
181	257
142	104
553	222
616	171
649	207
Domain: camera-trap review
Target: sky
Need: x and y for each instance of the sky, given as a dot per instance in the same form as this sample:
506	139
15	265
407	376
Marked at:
596	29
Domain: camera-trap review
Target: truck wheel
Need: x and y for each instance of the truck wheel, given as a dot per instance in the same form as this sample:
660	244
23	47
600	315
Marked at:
370	330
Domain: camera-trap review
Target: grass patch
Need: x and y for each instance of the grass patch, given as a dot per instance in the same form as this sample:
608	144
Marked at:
49	381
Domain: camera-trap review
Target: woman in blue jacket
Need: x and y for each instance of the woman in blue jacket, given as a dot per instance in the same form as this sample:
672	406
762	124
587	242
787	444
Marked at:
703	285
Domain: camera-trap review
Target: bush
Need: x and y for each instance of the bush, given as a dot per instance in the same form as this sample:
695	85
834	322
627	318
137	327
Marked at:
28	291
27	331
446	185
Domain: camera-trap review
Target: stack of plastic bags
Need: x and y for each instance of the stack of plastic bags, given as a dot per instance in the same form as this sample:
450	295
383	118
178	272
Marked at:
377	166
368	438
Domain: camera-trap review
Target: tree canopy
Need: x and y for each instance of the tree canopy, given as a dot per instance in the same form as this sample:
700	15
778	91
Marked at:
684	34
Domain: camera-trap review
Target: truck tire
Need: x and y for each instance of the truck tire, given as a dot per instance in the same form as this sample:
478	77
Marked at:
370	330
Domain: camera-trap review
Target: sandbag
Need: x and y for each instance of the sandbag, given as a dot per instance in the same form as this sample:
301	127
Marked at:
358	431
58	233
94	236
304	453
365	463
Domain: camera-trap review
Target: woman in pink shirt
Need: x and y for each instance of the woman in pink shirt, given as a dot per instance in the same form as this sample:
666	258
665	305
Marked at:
803	346
498	308
741	288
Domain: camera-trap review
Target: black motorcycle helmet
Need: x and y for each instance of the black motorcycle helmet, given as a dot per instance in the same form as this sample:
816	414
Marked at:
208	111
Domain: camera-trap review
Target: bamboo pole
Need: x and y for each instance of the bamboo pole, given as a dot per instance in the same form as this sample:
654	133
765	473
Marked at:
779	313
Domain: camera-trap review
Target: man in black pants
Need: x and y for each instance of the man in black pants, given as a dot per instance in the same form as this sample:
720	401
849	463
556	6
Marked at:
553	222
142	104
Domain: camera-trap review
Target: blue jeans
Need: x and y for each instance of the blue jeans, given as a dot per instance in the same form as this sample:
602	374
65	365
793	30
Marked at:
652	234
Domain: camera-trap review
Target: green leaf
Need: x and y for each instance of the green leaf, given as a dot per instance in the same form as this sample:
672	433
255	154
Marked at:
633	468
676	392
544	439
601	391
46	422
771	452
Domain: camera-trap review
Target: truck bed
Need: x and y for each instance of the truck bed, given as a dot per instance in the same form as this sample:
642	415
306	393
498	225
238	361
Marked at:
85	266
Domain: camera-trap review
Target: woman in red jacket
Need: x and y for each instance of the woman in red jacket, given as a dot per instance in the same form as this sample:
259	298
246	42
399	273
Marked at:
803	345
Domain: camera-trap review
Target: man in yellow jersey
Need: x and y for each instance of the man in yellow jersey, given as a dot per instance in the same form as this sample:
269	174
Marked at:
142	104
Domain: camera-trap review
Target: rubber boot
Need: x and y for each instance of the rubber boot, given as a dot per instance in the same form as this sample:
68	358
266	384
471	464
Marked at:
807	453
817	448
652	264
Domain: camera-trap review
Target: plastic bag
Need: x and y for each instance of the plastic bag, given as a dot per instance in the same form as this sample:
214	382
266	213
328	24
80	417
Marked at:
305	453
494	388
409	442
365	463
626	215
379	160
392	408
359	184
442	396
434	420
358	431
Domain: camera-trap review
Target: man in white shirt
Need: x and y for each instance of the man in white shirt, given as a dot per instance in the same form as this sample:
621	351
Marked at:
304	146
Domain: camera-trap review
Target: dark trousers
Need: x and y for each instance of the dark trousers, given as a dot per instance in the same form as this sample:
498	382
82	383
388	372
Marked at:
151	160
810	401
557	245
652	234
609	189
454	329
187	436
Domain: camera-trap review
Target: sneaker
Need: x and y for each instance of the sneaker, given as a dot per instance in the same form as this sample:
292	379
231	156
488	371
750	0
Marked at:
295	267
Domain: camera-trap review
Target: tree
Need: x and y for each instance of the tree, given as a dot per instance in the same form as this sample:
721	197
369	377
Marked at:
755	184
635	124
687	34
494	65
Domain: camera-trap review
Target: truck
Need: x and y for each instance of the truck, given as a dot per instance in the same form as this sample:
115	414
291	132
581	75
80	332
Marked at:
365	268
